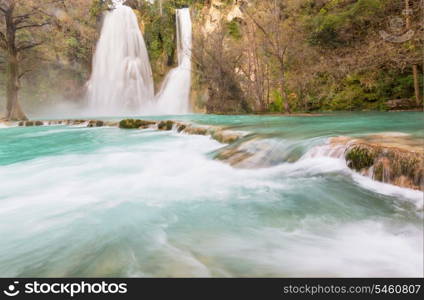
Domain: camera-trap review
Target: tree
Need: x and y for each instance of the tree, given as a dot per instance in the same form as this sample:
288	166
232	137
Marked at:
18	20
407	13
275	34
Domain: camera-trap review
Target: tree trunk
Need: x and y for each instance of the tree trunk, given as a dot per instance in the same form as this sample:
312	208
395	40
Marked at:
414	67
14	111
416	84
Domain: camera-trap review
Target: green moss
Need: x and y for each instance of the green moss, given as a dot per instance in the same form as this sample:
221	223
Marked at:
359	157
234	30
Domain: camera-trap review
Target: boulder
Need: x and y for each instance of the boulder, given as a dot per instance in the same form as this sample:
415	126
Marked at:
166	125
400	163
95	123
135	124
401	104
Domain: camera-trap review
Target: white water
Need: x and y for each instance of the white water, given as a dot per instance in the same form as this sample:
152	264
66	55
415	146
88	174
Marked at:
332	156
174	96
148	203
121	82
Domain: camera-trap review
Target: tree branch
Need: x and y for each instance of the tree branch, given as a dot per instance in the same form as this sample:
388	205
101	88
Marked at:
29	46
3	41
32	26
23	73
22	18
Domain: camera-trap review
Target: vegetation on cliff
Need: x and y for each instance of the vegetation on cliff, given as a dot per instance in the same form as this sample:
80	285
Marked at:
304	55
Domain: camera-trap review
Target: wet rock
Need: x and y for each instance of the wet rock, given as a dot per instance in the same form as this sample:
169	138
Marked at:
166	125
401	104
181	127
401	166
226	137
29	123
253	153
196	130
38	123
111	124
96	123
135	124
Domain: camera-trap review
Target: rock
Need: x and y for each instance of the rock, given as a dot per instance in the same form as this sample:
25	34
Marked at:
95	123
401	166
39	123
165	125
181	127
226	137
196	130
111	123
135	124
29	123
253	153
401	104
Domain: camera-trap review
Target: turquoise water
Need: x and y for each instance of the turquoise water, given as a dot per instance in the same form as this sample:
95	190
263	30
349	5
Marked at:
108	202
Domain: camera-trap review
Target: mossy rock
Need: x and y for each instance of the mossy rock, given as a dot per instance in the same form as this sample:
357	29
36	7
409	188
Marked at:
360	157
29	123
181	128
166	125
392	165
97	123
135	124
38	123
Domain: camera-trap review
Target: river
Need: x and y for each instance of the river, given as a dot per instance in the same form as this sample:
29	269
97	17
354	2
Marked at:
108	202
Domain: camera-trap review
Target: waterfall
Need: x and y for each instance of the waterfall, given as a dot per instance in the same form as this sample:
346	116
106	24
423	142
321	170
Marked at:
174	96
121	81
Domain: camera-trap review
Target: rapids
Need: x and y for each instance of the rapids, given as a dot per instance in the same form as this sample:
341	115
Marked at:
89	202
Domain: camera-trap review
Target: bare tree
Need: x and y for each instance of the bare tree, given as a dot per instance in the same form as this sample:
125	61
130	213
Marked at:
268	17
219	66
17	20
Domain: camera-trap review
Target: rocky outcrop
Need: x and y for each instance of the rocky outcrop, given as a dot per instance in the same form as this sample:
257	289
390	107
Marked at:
166	125
393	158
135	124
30	123
392	165
219	134
401	104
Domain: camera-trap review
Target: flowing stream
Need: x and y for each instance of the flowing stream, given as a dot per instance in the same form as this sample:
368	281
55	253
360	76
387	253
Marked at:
80	201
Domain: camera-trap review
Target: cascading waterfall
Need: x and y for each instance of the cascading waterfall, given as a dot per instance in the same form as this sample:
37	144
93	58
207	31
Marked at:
174	96
122	81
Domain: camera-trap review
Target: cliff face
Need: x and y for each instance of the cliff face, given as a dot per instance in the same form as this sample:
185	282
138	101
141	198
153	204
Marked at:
218	11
